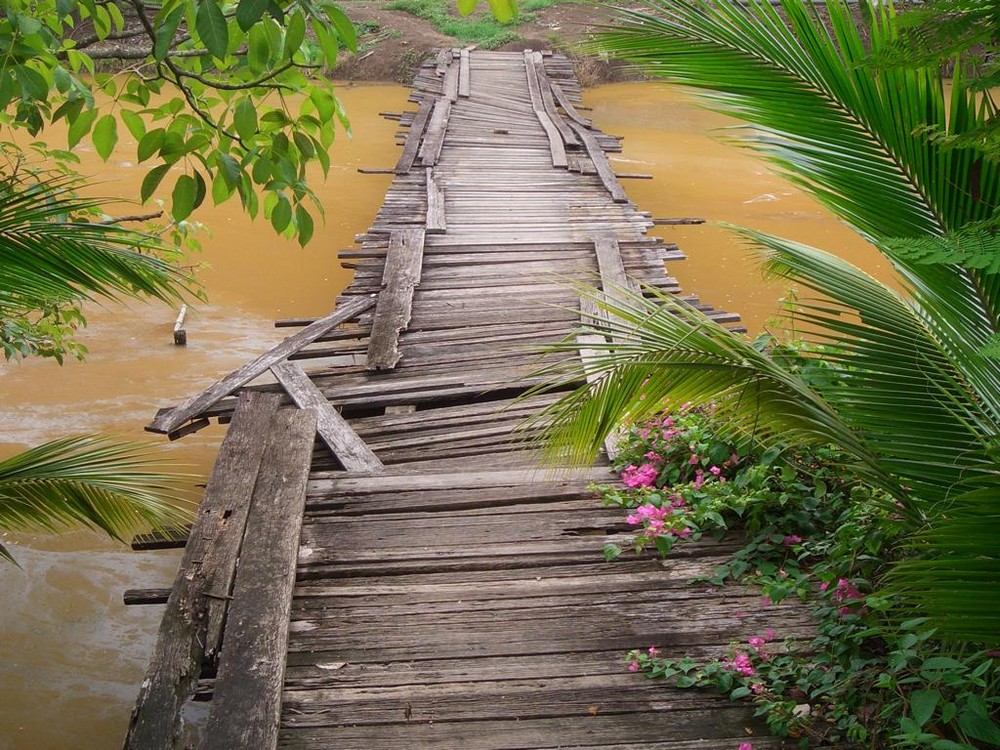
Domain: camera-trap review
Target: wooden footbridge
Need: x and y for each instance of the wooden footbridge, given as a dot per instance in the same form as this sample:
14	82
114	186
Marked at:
378	561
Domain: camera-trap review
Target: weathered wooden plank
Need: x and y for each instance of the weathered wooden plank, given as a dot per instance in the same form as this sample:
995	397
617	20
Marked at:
203	579
395	302
430	149
343	442
556	147
604	170
548	104
436	220
567	105
464	77
451	80
246	706
414	137
193	407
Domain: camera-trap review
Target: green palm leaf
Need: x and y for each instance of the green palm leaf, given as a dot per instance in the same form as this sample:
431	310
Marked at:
88	481
842	131
49	257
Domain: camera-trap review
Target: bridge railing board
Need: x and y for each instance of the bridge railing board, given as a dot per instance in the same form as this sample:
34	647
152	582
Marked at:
171	420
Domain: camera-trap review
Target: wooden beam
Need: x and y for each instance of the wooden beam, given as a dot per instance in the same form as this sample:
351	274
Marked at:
600	160
430	150
414	137
449	89
202	578
436	221
169	421
352	452
556	147
246	703
395	302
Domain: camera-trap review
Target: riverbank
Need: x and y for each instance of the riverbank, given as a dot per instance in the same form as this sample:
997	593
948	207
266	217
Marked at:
396	35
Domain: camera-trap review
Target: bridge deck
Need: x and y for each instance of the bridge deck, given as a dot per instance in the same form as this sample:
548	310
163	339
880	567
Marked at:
412	579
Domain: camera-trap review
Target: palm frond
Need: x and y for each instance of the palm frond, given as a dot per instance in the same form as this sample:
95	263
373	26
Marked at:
658	352
842	131
89	481
47	257
956	560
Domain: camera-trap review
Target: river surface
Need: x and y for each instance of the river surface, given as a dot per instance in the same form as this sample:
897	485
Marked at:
71	655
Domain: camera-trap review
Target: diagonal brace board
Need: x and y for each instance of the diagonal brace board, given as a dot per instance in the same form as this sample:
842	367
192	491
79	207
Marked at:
343	442
169	421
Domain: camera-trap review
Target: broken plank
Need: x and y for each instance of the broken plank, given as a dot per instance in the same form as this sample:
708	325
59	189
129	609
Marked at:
414	137
395	301
172	419
556	148
340	438
437	126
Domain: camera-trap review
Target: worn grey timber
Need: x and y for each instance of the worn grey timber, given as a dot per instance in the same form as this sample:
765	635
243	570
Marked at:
380	561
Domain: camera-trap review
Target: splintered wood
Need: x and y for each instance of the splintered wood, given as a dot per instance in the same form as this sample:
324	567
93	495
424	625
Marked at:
448	592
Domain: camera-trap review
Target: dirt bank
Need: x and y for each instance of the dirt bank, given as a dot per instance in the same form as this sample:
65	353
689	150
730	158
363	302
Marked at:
394	41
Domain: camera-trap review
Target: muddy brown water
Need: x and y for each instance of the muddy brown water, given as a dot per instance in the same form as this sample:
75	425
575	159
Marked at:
71	655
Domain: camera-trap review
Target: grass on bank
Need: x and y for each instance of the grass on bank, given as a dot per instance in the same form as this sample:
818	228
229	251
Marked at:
480	28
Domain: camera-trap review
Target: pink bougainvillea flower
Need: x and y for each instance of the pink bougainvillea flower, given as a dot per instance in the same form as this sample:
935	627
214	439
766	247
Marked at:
714	470
745	746
639	476
756	642
654	652
653	456
633	666
694	459
699	478
769	634
792	539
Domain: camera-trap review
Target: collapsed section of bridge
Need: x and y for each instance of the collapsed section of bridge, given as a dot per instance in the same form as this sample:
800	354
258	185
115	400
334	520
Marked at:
379	561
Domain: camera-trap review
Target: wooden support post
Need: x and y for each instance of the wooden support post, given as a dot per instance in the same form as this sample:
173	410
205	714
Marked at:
180	335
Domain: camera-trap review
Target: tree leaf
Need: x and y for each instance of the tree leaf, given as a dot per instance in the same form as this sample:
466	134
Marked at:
249	12
465	7
305	224
150	143
152	181
922	705
281	216
165	31
134	123
211	26
33	83
345	29
80	127
200	189
245	119
295	34
258	49
105	136
503	10
183	197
